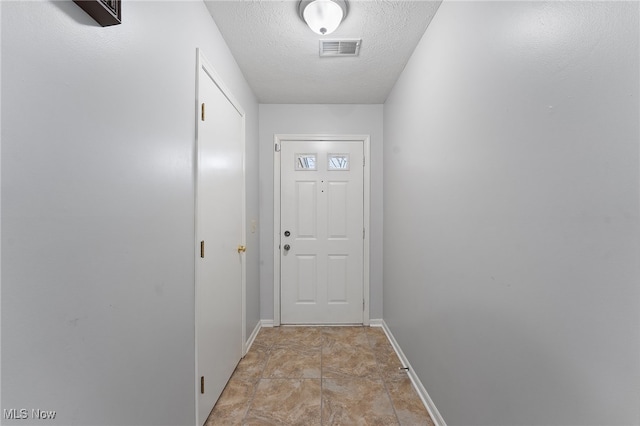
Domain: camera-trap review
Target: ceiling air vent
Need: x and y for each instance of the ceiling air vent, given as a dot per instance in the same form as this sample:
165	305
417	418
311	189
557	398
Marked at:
345	47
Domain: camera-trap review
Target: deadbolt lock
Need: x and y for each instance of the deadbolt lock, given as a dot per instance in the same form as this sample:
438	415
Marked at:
287	233
242	249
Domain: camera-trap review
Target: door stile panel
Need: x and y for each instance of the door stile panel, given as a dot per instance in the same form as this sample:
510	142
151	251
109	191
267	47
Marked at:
337	192
306	206
338	278
307	272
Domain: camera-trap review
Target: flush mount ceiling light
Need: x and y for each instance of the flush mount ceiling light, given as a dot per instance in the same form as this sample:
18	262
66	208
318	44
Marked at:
322	16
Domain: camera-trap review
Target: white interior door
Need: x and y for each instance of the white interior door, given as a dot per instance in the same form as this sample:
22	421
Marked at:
322	232
219	232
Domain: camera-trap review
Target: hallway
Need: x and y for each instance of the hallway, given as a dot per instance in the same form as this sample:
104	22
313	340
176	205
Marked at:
503	235
320	375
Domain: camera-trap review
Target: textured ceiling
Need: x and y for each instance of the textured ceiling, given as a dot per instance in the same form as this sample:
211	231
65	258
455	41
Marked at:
278	53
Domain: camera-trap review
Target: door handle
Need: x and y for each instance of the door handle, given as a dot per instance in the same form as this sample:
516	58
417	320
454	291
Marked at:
242	249
287	247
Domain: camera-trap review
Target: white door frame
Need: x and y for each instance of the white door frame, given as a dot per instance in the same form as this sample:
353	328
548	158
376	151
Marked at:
203	63
277	141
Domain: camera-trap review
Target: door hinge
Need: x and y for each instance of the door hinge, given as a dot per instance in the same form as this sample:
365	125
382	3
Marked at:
201	248
277	147
363	304
364	161
201	384
202	112
363	233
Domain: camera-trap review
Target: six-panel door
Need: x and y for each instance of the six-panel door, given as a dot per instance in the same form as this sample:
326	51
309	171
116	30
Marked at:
321	241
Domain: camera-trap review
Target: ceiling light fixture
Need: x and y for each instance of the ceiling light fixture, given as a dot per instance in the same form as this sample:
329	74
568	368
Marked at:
322	16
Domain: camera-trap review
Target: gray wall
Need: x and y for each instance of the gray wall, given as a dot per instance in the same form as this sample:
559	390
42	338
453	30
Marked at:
511	227
98	131
325	119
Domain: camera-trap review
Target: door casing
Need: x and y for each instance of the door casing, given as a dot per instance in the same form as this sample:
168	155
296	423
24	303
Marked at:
277	141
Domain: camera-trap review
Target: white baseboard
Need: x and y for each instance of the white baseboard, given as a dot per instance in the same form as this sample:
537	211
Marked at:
251	338
254	334
376	322
417	384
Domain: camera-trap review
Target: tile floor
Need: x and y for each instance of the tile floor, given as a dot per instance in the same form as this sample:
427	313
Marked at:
319	376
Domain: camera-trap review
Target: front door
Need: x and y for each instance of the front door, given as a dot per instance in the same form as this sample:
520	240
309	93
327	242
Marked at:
219	262
322	232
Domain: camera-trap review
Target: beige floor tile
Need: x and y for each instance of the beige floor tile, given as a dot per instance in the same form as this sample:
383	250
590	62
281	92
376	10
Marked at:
307	337
358	401
408	405
293	362
253	362
389	363
233	403
278	382
377	337
285	402
345	360
267	337
355	336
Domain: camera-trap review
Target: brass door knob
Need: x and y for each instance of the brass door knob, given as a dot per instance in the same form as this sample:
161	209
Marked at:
242	249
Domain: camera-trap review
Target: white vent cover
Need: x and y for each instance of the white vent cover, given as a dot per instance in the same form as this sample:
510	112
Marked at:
344	47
